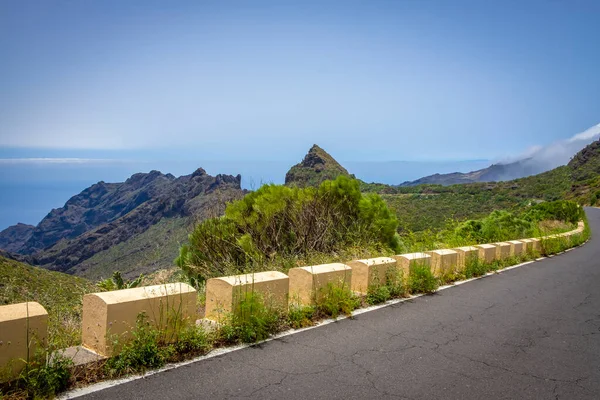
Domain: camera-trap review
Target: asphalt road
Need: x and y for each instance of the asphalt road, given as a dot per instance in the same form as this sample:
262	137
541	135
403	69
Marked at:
529	333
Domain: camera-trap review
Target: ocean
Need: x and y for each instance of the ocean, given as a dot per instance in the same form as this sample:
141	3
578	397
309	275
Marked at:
30	190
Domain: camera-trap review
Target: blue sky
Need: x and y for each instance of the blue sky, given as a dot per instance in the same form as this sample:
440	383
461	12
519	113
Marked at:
247	87
369	81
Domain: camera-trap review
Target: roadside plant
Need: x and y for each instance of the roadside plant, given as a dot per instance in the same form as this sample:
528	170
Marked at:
251	321
117	282
336	299
301	316
421	279
144	351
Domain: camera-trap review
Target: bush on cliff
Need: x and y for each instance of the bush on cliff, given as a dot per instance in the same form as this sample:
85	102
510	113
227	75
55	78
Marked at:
284	224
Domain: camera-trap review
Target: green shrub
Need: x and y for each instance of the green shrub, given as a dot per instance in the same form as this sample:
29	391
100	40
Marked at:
144	351
191	340
421	280
378	294
560	210
475	267
498	226
251	321
301	316
45	377
335	300
395	282
286	223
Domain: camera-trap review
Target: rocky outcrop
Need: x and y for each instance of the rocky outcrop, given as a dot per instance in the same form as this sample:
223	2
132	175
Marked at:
13	238
197	196
316	167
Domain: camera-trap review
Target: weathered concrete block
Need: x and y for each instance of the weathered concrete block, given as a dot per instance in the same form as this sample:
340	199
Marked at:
443	261
502	250
516	248
369	272
112	315
307	284
536	244
487	252
23	331
527	245
407	261
223	294
465	254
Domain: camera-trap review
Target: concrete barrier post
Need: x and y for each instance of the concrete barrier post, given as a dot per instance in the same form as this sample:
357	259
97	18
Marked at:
536	245
224	294
487	253
308	284
109	318
502	250
370	272
23	332
443	261
516	248
527	246
465	255
408	261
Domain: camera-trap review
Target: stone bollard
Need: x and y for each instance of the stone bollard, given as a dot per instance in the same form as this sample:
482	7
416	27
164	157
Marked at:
407	261
373	271
23	333
502	250
443	261
466	254
224	294
487	253
307	284
517	248
109	318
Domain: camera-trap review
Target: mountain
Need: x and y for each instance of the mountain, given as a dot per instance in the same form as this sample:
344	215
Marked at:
579	180
316	167
493	173
107	215
14	237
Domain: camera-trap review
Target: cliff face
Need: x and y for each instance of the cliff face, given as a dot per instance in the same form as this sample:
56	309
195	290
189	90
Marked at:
107	214
316	167
14	237
99	204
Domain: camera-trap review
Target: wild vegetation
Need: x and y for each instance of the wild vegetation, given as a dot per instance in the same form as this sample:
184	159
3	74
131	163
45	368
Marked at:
283	226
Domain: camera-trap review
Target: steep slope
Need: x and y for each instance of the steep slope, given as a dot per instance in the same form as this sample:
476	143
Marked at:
97	205
316	167
20	282
14	237
493	173
195	196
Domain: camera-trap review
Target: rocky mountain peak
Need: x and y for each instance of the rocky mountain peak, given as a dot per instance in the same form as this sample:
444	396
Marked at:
316	167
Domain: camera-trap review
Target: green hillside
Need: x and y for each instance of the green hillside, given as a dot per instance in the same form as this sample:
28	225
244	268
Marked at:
431	206
152	250
59	293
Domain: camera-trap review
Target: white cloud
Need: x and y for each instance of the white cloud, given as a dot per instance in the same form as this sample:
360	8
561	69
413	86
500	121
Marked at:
588	134
559	153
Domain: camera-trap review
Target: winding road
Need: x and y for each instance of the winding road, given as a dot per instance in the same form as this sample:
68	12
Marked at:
531	332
